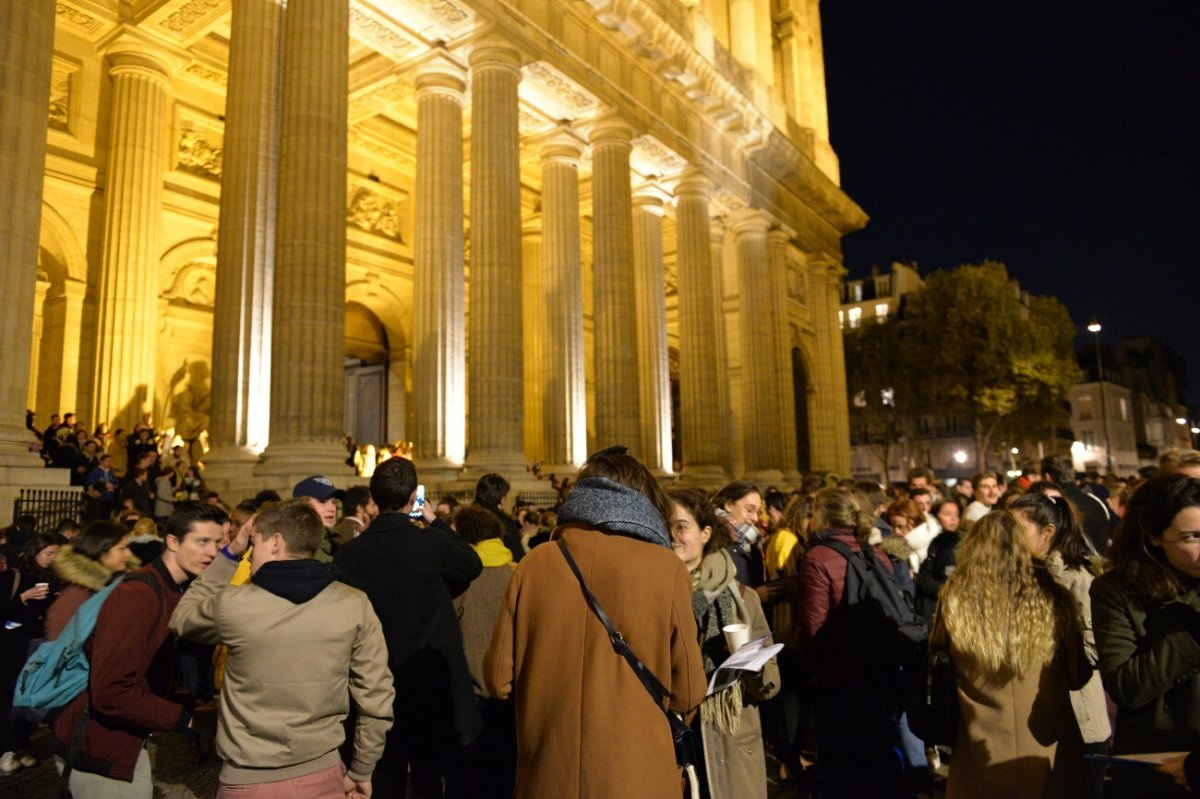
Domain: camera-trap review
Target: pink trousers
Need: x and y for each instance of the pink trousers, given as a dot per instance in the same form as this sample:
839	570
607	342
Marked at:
323	784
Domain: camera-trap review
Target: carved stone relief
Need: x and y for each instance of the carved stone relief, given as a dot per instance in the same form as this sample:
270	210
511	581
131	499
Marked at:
374	213
198	155
194	283
78	18
191	14
60	100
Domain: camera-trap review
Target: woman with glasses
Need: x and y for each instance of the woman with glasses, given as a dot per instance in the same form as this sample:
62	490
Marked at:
1146	613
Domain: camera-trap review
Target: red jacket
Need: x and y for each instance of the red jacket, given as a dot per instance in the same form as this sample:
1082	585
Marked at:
823	635
130	671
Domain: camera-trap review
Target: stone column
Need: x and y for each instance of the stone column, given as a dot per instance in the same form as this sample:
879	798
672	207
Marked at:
241	348
26	52
127	294
822	422
701	418
533	337
616	370
777	274
439	320
58	383
838	400
35	348
309	301
564	401
761	428
654	389
495	391
729	452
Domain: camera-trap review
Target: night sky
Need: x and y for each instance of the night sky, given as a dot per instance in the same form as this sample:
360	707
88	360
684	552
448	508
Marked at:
1057	137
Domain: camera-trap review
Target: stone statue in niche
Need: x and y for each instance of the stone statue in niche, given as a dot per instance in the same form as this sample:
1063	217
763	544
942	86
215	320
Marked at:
190	399
797	285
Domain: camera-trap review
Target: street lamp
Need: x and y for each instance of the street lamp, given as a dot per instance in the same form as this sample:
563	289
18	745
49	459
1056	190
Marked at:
1094	328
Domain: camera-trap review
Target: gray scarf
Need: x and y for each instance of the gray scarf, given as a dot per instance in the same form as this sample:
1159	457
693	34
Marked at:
615	508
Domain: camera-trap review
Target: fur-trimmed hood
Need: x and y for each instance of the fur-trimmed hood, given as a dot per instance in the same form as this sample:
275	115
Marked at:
894	545
83	571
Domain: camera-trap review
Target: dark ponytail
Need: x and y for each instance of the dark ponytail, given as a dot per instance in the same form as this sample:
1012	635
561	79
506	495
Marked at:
1069	541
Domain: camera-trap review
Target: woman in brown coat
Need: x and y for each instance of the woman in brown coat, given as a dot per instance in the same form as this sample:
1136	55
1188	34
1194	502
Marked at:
586	727
1015	639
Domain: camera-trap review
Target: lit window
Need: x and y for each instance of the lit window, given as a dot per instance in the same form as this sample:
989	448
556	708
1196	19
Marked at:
855	317
860	399
881	312
888	397
1083	407
1124	410
841	320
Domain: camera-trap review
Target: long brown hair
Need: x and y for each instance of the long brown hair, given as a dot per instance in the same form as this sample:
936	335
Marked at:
1135	555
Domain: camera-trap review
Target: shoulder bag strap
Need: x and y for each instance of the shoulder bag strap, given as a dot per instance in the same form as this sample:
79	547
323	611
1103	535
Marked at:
655	688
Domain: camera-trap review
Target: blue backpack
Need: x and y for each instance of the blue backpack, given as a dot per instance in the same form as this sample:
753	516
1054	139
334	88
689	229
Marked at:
58	670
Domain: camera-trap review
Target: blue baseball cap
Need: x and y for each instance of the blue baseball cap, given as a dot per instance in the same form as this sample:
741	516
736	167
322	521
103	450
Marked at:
319	488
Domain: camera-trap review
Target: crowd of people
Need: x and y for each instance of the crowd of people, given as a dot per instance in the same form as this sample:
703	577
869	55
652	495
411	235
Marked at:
360	642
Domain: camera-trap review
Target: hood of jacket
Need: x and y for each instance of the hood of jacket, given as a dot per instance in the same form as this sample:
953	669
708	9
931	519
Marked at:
615	508
297	581
896	547
81	570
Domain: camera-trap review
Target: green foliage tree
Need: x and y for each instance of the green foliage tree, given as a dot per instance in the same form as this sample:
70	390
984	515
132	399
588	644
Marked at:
982	352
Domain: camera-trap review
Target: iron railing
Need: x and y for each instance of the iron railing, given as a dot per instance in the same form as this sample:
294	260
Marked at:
50	505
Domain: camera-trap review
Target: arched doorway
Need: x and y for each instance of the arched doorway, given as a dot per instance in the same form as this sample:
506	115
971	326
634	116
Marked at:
800	390
366	363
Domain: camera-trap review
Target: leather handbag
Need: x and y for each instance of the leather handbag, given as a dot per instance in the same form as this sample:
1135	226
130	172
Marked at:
687	748
933	711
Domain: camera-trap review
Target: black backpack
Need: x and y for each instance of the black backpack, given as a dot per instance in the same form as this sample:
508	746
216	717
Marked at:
890	635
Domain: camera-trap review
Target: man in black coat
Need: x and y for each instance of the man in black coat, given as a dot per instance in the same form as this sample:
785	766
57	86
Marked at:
490	493
411	575
1094	514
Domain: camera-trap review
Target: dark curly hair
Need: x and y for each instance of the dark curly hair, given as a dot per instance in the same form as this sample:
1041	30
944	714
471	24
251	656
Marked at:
701	508
1137	554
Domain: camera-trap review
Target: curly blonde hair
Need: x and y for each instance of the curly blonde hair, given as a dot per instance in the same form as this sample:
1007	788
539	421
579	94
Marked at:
1000	610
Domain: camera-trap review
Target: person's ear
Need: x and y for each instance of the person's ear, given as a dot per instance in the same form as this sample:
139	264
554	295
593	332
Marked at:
171	542
706	534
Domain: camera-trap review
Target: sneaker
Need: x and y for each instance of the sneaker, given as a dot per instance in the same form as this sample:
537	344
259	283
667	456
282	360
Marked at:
9	763
27	760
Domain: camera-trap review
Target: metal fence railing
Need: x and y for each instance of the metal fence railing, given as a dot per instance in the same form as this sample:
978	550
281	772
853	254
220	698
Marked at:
49	505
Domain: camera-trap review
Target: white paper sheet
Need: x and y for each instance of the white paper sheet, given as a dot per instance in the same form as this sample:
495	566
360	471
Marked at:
751	656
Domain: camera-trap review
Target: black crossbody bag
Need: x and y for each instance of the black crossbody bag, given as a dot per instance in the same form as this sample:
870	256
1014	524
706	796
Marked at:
687	749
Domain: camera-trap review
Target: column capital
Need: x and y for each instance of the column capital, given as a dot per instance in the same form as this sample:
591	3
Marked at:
611	129
749	221
777	237
132	53
650	197
716	230
495	53
693	183
562	145
441	75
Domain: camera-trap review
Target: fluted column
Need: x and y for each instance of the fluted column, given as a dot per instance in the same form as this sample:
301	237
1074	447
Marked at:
241	348
26	52
654	390
309	300
823	422
700	415
777	266
35	345
564	400
838	400
616	370
761	428
496	372
127	295
439	321
533	336
729	452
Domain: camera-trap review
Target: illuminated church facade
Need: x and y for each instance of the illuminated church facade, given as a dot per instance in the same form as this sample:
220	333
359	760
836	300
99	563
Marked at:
505	231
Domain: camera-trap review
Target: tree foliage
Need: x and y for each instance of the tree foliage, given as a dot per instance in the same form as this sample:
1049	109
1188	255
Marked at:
968	345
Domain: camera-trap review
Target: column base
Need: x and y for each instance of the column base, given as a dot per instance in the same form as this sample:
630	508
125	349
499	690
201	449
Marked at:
230	472
438	472
284	465
765	478
707	476
15	478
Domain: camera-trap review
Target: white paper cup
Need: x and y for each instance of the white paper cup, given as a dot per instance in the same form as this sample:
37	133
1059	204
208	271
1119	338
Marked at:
42	585
736	635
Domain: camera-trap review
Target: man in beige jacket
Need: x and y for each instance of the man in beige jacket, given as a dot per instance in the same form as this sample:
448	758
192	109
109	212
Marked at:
300	643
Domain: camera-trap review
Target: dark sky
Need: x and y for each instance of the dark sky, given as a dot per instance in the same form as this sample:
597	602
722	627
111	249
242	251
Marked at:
1059	137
